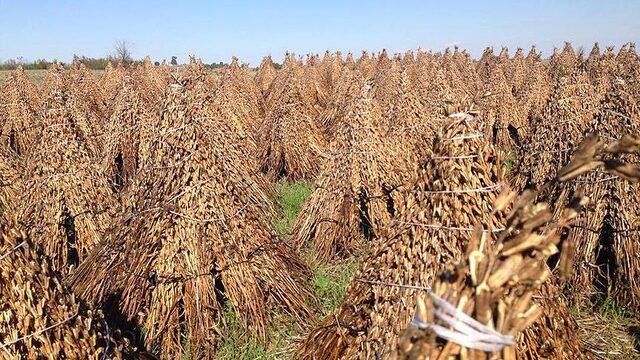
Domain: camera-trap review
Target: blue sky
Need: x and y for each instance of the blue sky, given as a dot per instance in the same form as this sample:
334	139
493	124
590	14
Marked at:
216	30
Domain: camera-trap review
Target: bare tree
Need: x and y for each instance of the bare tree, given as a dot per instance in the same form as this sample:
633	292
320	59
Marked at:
122	53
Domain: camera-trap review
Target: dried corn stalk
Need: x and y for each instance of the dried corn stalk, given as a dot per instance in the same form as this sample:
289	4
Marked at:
291	142
194	236
568	116
110	83
127	131
39	317
19	114
65	199
497	282
494	285
563	63
353	199
10	171
449	193
607	238
506	120
265	75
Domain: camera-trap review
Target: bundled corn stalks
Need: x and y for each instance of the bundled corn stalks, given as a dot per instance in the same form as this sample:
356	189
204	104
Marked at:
19	114
265	75
366	65
65	199
485	302
353	199
568	115
238	98
410	123
461	76
248	95
333	114
291	65
506	120
291	141
486	63
226	103
459	86
110	83
10	170
313	91
329	70
65	97
482	304
386	80
607	239
534	94
84	87
628	58
465	67
349	62
194	238
503	57
39	317
128	133
533	55
602	69
432	86
518	69
154	79
448	195
563	63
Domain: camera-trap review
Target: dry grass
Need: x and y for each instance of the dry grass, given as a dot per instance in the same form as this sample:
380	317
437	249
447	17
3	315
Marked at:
37	76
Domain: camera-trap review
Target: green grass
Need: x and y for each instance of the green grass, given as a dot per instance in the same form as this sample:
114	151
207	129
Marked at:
510	159
185	344
290	198
236	344
329	284
611	310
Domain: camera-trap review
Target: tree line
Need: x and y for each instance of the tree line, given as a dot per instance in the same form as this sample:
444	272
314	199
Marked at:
89	62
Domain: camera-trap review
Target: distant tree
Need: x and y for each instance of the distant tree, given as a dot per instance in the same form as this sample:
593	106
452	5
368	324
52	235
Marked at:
218	65
122	53
174	60
157	63
12	64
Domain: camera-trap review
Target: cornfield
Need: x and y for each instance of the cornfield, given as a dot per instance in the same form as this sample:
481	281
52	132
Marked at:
491	207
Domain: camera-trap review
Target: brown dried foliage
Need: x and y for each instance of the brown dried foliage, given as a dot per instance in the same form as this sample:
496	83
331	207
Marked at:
194	235
353	199
40	316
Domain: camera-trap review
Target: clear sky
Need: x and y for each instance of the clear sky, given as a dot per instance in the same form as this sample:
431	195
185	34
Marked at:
217	30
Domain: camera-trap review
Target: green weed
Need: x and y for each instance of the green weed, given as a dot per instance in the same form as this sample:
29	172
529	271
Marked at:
610	309
329	284
237	344
509	161
291	197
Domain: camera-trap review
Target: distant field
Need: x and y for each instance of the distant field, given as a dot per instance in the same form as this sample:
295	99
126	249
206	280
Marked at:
35	75
38	75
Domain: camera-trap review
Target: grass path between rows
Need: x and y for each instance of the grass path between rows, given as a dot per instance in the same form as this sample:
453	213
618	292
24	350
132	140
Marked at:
328	283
